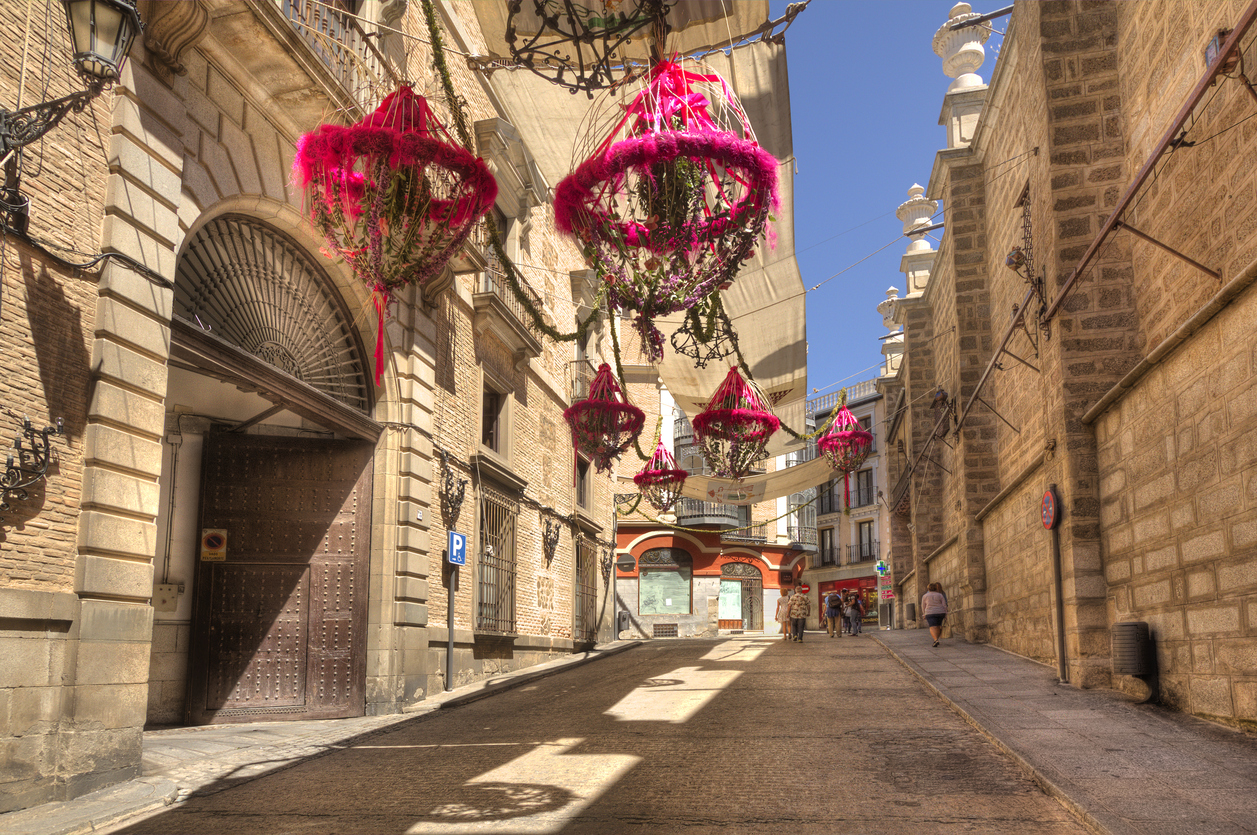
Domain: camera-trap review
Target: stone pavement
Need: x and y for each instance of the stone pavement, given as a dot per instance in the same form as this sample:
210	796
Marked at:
1120	767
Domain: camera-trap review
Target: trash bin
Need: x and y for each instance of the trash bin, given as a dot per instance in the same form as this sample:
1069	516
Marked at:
1131	649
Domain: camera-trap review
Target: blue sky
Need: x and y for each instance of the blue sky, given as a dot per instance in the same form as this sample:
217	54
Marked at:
865	93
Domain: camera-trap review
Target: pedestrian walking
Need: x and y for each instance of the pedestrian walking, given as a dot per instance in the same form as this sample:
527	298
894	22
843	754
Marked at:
800	608
783	612
855	610
846	613
934	608
833	613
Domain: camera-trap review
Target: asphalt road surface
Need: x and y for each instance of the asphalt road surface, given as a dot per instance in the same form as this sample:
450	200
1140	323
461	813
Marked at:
733	735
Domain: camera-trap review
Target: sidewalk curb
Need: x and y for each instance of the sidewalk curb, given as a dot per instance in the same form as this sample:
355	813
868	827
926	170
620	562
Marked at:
1029	769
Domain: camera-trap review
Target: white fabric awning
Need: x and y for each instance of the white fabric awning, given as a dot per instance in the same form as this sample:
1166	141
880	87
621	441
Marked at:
758	488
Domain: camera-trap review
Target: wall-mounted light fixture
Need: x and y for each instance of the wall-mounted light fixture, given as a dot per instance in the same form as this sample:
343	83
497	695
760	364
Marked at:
550	539
30	465
608	559
452	491
101	34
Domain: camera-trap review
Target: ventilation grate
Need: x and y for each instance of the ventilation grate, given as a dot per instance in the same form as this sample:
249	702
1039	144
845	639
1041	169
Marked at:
665	630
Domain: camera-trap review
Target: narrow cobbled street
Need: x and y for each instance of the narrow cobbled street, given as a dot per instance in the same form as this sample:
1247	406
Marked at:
745	734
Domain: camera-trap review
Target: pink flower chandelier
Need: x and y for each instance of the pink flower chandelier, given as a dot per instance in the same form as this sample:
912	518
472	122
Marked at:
393	196
845	446
672	200
734	429
604	424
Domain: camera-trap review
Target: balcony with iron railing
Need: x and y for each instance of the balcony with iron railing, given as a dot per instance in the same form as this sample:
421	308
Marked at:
862	552
498	308
692	512
863	496
827	402
828	555
345	47
580	373
751	534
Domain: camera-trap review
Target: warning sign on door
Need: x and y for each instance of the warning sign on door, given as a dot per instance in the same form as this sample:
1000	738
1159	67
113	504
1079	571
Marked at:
213	545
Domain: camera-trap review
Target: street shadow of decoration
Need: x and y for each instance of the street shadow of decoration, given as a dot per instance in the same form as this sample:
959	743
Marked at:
673	195
500	801
604	424
845	445
393	196
56	329
733	430
660	481
27	463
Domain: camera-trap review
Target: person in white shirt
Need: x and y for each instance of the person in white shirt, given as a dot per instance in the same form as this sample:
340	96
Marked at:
934	608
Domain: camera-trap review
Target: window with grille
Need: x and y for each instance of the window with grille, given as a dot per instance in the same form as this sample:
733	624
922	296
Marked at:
496	571
585	627
664	576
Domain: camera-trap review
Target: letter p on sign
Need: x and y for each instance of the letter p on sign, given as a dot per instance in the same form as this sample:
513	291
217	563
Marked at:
457	551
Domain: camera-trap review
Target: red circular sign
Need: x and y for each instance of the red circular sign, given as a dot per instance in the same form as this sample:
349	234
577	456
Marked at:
1048	510
806	588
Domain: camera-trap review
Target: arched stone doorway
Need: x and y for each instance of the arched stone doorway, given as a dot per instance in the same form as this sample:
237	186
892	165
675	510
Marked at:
271	450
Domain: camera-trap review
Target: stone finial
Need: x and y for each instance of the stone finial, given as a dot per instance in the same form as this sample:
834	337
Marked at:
916	213
887	309
961	49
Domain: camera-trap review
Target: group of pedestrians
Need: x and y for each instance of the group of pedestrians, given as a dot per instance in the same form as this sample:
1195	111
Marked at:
843	613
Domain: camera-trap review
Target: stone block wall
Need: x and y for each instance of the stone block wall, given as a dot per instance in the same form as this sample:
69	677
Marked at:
1019	576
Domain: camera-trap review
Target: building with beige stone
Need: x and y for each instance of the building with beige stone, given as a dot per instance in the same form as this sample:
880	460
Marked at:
1077	370
238	523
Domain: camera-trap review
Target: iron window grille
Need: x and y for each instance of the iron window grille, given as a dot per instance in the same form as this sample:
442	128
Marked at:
497	574
585	627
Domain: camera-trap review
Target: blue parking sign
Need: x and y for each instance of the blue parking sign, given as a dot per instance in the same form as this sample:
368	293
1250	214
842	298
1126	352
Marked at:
457	551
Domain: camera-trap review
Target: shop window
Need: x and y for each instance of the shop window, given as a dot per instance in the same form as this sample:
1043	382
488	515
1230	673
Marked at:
665	578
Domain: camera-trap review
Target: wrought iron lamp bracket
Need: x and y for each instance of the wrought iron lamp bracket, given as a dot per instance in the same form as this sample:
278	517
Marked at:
452	491
550	539
31	463
605	563
22	127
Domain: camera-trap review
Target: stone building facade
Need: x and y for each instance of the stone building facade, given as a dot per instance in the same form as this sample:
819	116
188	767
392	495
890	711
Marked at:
1058	340
236	527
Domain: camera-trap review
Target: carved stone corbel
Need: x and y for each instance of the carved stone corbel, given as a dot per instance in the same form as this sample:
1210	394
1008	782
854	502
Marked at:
170	30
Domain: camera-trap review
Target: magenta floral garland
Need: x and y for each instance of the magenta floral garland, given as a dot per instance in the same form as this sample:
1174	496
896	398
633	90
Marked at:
669	214
393	196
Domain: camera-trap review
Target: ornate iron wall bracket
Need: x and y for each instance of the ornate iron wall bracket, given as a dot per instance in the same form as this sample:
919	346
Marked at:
31	463
550	539
607	560
452	491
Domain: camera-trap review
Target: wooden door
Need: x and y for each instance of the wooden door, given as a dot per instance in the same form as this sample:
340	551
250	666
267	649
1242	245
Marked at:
278	628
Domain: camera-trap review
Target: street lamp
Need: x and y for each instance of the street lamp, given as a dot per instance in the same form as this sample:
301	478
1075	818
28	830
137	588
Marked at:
101	32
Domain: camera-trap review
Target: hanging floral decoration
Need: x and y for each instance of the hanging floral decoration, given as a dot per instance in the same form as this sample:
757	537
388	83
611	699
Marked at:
660	481
393	196
734	429
673	198
604	424
845	446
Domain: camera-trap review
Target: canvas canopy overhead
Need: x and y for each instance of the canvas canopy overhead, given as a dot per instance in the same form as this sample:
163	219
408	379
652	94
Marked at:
766	301
758	488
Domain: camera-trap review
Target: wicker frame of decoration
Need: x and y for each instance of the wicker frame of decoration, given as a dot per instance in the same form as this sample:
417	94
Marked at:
392	195
733	430
673	200
604	424
660	481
